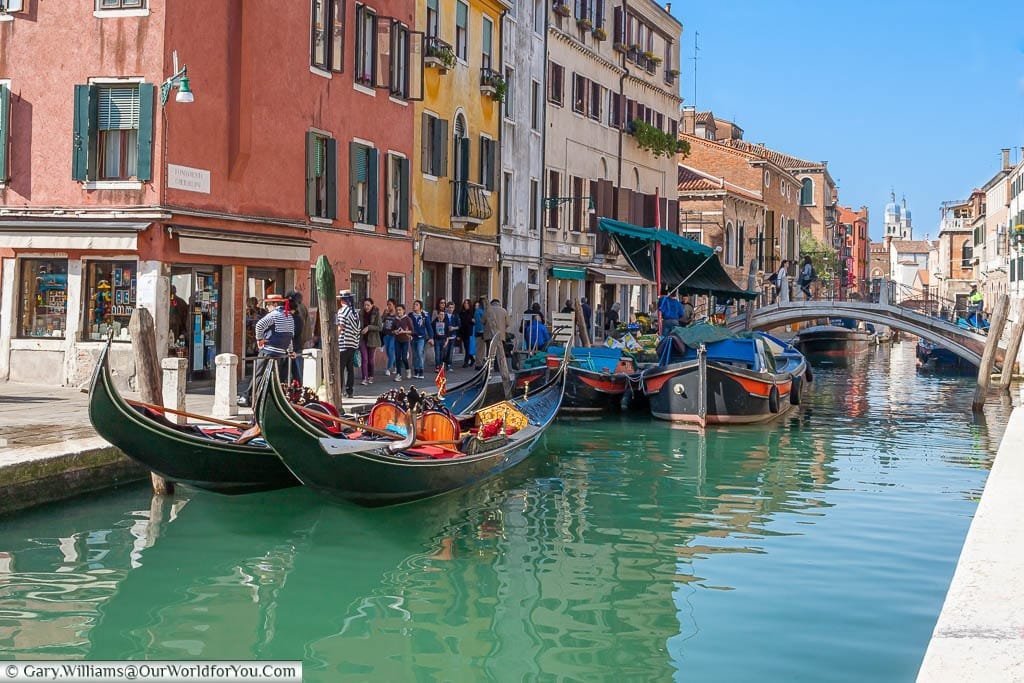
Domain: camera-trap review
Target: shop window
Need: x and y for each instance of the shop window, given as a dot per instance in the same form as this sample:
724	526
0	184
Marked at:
398	192
362	185
327	43
321	176
113	132
109	299
43	310
194	317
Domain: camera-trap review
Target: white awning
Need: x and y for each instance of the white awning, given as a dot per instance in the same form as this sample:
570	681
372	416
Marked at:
617	276
241	245
71	234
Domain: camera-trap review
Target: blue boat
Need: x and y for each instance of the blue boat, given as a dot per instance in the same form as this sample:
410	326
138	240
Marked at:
938	359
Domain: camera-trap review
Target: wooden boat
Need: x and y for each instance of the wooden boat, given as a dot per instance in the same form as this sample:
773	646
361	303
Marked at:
934	358
205	459
821	342
435	456
598	378
715	377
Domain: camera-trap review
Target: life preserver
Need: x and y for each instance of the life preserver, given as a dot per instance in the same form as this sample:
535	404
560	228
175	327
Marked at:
773	399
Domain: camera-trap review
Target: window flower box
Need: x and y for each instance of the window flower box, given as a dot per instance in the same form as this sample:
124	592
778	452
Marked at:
600	34
585	24
492	83
438	55
562	9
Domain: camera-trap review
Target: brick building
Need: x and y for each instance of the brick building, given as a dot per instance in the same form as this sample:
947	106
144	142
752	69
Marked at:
221	199
852	231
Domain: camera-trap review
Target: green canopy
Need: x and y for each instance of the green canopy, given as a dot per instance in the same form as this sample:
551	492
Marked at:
683	262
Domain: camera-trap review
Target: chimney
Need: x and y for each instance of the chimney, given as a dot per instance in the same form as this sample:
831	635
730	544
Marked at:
1006	158
689	119
668	7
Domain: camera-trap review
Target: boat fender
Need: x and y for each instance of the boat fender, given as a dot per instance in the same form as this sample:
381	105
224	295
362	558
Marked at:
794	392
773	399
807	374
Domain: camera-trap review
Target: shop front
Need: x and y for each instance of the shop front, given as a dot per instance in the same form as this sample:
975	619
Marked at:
455	269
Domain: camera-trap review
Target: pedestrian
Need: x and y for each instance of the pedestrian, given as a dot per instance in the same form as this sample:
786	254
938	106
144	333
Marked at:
301	315
420	335
369	338
451	322
402	334
611	320
478	331
466	337
780	278
253	312
567	308
348	339
536	335
588	316
439	328
274	334
496	322
807	276
387	331
687	307
178	317
671	311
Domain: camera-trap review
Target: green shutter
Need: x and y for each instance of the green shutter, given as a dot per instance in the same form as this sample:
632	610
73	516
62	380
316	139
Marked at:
483	161
372	185
5	119
426	133
441	147
311	152
403	194
356	157
331	169
144	164
492	158
80	134
464	158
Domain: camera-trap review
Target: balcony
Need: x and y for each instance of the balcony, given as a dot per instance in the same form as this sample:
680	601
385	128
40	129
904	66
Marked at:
492	83
437	54
471	204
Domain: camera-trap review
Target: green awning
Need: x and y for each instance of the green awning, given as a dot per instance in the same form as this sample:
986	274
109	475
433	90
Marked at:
688	265
566	273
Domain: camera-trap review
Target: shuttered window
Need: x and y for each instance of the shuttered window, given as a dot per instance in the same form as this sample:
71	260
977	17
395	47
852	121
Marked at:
488	152
434	146
118	108
363	183
113	132
5	122
398	192
321	176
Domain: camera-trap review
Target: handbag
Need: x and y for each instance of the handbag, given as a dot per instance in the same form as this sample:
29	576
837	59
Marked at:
356	362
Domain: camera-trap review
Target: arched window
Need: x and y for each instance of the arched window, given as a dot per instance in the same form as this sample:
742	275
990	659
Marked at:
740	238
967	255
636	177
730	243
604	169
807	192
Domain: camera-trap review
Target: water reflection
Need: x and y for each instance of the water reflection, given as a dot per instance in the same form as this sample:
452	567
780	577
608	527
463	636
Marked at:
626	549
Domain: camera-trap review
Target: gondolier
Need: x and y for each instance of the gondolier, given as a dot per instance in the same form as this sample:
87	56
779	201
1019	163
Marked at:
274	334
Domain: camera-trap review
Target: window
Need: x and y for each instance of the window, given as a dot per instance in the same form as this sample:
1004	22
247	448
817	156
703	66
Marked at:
741	237
327	42
434	145
556	76
535	105
113	132
432	18
579	94
461	29
399	80
614	110
109	299
967	255
321	176
553	189
506	198
599	14
807	192
509	102
396	288
359	283
539	16
596	95
362	183
5	123
730	257
398	192
534	203
486	36
44	298
488	153
578	204
506	285
366	45
480	283
120	4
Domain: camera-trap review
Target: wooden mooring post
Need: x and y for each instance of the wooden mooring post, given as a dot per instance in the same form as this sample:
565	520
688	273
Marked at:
988	358
581	323
148	374
1012	348
327	305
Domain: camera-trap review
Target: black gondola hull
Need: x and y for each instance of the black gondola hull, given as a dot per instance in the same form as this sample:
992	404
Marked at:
587	391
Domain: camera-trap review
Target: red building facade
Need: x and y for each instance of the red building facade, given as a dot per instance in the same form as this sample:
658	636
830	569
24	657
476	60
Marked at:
297	144
854	251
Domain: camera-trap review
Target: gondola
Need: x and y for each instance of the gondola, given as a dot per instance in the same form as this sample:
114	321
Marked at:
934	358
375	473
598	378
205	459
708	375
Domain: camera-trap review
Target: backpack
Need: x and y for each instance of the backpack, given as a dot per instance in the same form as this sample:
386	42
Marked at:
774	278
814	275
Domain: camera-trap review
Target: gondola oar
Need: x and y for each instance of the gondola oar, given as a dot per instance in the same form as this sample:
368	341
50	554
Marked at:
194	416
348	423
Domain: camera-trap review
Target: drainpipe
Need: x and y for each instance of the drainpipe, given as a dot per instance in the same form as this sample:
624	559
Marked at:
542	276
622	86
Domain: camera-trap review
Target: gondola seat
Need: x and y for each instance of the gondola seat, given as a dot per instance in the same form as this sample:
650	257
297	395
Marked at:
385	414
434	425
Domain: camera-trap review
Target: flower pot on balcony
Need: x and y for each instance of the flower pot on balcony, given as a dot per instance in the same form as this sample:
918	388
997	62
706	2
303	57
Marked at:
600	34
562	10
585	24
619	47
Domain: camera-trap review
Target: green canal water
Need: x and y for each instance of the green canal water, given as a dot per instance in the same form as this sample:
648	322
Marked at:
815	549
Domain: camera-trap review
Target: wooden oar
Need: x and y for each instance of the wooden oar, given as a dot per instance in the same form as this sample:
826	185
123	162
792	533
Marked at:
348	423
204	418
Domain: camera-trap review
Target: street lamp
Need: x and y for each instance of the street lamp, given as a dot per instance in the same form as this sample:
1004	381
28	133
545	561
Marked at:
180	81
553	202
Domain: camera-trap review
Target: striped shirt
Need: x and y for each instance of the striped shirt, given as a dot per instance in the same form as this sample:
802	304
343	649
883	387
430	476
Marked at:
277	329
348	328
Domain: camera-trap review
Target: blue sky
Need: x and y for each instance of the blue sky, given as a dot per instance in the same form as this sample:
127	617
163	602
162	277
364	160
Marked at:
918	96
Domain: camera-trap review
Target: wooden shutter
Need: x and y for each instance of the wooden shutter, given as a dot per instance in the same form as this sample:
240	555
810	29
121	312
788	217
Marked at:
414	67
440	150
82	128
356	172
310	174
464	157
619	27
382	48
372	185
331	171
672	216
5	119
403	194
426	140
144	163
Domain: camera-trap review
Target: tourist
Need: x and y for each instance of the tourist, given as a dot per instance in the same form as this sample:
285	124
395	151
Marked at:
671	311
496	323
301	315
611	319
387	331
348	339
807	276
402	334
178	317
439	326
370	338
478	330
451	322
780	278
466	337
275	332
420	335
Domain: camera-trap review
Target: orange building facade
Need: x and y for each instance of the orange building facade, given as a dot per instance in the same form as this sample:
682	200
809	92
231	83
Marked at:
854	249
298	143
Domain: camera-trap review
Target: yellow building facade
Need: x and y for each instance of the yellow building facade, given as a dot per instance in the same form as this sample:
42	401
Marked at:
457	127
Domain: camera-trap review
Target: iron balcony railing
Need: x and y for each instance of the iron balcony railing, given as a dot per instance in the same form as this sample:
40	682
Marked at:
438	53
470	200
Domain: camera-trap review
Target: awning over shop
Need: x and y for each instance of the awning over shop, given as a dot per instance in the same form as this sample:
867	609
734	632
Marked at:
241	245
71	234
460	252
687	265
568	273
616	276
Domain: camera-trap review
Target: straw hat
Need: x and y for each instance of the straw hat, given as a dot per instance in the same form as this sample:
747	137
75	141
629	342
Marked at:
274	299
345	294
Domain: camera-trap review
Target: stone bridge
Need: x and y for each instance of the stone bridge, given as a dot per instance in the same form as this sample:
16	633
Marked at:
964	343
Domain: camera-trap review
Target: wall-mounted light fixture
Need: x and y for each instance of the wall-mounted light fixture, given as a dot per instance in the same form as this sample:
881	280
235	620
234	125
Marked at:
180	81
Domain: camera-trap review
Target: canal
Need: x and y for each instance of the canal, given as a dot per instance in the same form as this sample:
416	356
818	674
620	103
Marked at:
817	548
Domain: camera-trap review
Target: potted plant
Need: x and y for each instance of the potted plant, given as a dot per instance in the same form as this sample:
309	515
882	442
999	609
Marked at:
656	141
673	73
584	24
600	34
619	47
650	56
439	56
562	9
492	84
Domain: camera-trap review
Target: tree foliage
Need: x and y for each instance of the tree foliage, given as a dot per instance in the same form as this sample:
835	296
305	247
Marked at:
823	257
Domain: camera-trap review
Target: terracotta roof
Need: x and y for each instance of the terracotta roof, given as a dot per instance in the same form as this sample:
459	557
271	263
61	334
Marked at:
878	247
784	160
922	275
691	181
911	246
704	117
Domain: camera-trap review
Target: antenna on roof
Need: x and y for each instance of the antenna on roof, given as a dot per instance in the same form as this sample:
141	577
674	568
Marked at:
696	49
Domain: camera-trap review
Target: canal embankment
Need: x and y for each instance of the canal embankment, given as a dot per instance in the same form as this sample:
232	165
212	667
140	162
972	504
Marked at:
979	635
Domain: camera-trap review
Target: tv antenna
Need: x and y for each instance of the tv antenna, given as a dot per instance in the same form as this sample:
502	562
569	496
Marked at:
695	58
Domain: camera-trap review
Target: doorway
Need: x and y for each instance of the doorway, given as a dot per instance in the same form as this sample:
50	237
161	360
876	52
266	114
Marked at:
196	334
458	288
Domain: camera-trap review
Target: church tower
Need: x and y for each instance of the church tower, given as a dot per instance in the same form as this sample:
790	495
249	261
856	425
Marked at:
897	220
